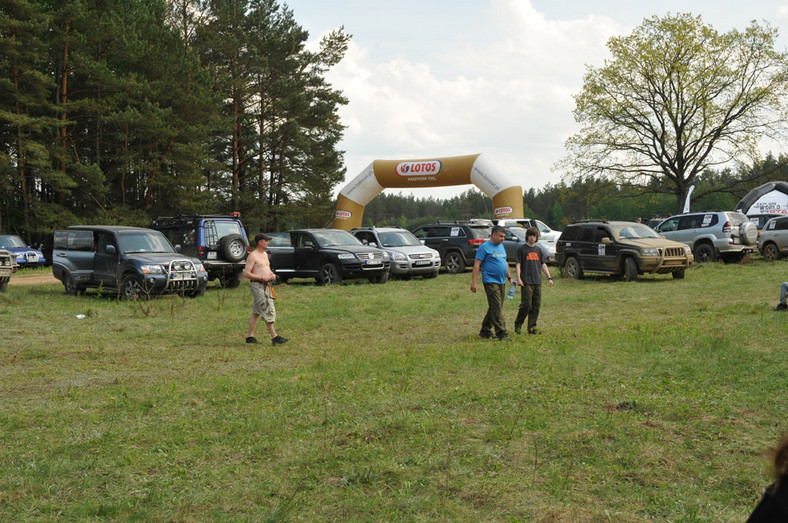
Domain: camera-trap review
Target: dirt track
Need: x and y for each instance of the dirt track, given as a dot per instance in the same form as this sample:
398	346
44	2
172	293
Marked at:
33	279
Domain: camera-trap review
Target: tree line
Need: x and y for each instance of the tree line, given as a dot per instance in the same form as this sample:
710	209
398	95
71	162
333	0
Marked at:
117	112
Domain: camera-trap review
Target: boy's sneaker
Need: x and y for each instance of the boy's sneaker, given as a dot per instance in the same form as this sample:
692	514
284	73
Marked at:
503	337
485	335
781	307
534	330
279	340
251	339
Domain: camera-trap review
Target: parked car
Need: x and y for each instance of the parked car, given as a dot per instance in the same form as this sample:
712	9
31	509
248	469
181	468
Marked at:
407	254
134	261
625	249
760	219
219	241
455	241
515	238
713	234
7	268
26	256
329	256
773	239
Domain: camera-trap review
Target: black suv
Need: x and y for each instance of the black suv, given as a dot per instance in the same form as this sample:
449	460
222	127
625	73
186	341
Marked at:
219	241
622	248
455	241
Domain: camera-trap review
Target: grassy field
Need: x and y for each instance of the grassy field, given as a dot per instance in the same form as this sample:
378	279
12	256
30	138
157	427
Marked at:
646	400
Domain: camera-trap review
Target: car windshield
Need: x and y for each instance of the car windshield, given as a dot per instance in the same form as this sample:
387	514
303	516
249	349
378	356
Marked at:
335	238
143	241
519	232
636	231
398	239
11	242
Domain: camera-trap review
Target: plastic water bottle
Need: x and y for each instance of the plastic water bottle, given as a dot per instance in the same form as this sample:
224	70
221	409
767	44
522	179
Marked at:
512	290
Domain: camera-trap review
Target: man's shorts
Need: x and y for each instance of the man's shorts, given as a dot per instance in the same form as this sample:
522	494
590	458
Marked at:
263	301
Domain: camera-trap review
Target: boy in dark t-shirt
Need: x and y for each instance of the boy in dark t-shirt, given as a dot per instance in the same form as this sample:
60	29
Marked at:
529	267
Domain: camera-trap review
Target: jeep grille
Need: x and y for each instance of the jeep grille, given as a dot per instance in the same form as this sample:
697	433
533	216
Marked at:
420	255
674	251
371	255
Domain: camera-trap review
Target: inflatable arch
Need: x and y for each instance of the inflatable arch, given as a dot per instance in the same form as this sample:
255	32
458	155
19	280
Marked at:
436	172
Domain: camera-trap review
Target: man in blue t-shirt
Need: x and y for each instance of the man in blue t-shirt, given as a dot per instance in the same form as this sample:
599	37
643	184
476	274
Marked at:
491	260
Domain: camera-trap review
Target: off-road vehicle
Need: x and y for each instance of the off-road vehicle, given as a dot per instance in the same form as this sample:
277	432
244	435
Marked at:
456	242
712	235
219	241
625	249
773	239
408	256
329	256
7	268
132	261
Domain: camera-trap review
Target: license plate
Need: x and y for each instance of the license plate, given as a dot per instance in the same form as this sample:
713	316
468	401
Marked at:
211	255
421	262
373	262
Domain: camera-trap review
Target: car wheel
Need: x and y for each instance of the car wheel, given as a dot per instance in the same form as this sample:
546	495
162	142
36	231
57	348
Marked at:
199	292
70	286
455	263
573	268
4	286
133	288
771	253
705	253
233	248
383	278
630	269
748	233
329	274
231	280
678	275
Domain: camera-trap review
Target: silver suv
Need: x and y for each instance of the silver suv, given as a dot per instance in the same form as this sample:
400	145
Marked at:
713	234
408	256
773	239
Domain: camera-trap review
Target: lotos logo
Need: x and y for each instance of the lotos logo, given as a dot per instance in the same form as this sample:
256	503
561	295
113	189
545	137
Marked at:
501	211
418	168
343	214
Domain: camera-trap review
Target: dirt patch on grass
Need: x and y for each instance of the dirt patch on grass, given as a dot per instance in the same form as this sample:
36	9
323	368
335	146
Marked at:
33	279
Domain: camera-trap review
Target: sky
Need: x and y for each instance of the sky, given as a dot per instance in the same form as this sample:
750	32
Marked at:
436	78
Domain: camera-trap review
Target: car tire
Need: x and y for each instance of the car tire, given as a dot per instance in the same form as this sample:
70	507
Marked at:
678	275
704	252
329	274
70	286
573	268
231	280
771	253
232	248
133	288
199	292
455	263
383	278
4	286
630	269
748	233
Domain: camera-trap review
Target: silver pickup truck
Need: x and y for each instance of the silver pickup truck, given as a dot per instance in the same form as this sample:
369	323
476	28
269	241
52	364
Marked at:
134	261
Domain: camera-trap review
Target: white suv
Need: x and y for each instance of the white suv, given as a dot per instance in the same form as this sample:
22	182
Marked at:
713	234
409	257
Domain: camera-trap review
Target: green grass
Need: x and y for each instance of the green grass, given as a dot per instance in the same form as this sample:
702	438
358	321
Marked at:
645	400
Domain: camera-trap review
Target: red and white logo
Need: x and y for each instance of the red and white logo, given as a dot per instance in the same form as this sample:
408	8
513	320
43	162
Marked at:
343	214
503	211
431	167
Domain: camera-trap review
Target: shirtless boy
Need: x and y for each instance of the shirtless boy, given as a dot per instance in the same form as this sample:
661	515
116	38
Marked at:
258	271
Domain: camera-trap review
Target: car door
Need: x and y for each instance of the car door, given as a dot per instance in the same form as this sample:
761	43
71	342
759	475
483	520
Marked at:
305	257
781	234
438	238
106	263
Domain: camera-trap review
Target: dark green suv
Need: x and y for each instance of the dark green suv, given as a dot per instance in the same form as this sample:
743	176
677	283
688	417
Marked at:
625	249
455	241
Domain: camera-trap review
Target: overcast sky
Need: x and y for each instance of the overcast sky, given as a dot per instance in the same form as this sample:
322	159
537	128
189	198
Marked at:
433	78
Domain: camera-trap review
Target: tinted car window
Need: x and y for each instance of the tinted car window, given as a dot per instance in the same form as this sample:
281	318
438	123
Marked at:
571	233
73	240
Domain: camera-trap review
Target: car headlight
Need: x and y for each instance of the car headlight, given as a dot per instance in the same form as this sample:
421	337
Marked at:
650	252
346	256
687	249
198	267
386	256
398	256
151	269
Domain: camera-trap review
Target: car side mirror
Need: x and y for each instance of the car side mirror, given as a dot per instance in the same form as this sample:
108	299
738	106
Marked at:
309	245
177	248
606	240
373	244
111	250
364	242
